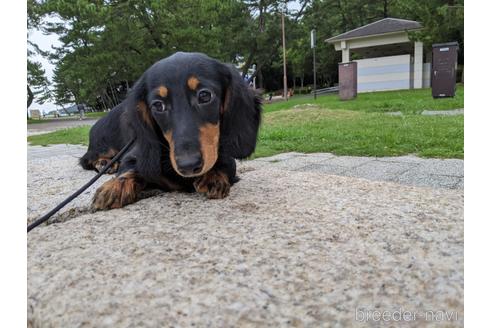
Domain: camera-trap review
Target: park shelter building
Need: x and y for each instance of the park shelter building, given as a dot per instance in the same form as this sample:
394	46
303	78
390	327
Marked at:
386	58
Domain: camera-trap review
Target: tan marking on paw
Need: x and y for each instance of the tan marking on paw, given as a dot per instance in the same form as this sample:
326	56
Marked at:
117	192
214	184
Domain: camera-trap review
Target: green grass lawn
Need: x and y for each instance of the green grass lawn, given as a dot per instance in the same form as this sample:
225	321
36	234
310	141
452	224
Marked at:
96	114
75	136
87	115
358	127
360	134
406	101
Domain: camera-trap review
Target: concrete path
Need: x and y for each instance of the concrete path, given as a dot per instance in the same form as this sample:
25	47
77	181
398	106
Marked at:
49	166
54	125
35	153
451	112
302	240
409	170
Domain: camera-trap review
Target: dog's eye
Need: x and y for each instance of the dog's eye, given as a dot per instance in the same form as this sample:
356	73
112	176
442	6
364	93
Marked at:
159	106
204	96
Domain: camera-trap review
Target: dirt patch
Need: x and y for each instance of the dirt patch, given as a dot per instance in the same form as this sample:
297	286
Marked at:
305	107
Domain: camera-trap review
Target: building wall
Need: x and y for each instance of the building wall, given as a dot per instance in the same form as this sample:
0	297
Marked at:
372	41
427	75
389	73
384	73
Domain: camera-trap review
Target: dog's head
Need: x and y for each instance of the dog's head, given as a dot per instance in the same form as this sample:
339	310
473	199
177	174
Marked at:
199	105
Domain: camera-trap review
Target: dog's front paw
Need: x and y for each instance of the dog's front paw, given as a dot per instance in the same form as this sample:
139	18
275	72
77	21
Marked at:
117	192
214	184
101	163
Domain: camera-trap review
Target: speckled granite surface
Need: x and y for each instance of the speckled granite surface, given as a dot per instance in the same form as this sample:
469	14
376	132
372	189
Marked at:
286	248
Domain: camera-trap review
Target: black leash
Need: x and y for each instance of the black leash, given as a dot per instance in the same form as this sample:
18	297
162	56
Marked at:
81	190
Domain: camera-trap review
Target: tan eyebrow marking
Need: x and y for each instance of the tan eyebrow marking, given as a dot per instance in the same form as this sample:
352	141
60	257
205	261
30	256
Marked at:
193	83
162	91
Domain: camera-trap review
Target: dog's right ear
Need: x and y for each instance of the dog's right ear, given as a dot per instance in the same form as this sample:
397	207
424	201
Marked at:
138	90
148	145
138	104
241	114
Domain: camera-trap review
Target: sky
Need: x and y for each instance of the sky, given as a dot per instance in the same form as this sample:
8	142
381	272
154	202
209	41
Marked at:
44	41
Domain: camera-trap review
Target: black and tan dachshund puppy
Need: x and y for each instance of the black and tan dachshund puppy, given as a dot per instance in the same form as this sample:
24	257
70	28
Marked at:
191	117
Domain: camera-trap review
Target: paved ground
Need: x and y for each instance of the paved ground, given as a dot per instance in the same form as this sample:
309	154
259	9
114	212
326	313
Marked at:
409	170
452	112
302	240
59	124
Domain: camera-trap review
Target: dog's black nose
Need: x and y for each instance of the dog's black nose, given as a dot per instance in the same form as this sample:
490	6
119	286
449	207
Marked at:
189	164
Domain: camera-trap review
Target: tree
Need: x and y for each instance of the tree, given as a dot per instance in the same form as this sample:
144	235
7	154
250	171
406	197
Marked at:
108	44
119	39
36	80
442	20
37	83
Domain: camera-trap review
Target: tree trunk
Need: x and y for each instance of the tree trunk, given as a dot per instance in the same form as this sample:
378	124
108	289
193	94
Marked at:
385	9
259	75
103	104
249	61
30	96
107	105
115	100
108	98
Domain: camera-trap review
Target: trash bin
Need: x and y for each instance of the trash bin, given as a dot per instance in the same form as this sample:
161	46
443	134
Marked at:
347	80
444	65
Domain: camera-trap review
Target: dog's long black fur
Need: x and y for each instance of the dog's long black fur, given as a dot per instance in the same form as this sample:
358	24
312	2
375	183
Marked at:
105	137
191	116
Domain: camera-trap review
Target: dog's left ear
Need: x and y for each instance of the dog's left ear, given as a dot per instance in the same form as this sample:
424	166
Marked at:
241	114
